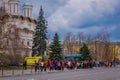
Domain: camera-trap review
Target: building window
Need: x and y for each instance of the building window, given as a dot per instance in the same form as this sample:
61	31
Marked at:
117	51
10	8
23	42
14	8
28	43
28	12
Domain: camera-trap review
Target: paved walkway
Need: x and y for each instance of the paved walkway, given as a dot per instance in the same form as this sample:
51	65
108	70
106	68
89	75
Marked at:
6	73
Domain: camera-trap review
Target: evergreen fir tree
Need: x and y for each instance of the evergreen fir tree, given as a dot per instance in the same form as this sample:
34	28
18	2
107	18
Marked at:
40	37
85	52
56	49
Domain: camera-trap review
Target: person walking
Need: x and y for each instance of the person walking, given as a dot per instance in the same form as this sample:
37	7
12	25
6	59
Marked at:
71	64
42	65
25	65
59	65
45	66
78	65
63	65
50	65
36	66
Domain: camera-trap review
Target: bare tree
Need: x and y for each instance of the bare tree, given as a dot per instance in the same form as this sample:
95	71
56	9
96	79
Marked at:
11	45
2	23
102	46
66	42
10	42
72	42
80	37
2	11
89	39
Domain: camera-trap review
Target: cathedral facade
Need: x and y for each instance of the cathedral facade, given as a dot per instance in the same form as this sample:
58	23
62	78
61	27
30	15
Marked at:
17	29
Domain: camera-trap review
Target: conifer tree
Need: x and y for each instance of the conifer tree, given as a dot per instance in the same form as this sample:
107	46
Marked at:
56	49
40	37
85	52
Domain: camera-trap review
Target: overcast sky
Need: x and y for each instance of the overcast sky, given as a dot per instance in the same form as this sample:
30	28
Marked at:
88	16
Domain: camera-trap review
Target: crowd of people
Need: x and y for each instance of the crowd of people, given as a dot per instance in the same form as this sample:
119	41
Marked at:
51	65
68	64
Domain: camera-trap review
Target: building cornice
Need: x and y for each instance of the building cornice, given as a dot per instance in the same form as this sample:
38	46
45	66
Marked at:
6	16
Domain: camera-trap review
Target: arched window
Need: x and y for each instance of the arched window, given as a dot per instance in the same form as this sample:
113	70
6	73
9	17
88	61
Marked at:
28	43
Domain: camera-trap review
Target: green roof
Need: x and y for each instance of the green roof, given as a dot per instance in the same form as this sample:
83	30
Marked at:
73	55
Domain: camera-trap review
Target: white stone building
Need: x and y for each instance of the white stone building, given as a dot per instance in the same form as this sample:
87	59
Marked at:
22	21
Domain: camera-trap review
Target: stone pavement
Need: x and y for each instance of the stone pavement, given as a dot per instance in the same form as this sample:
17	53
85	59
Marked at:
6	73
